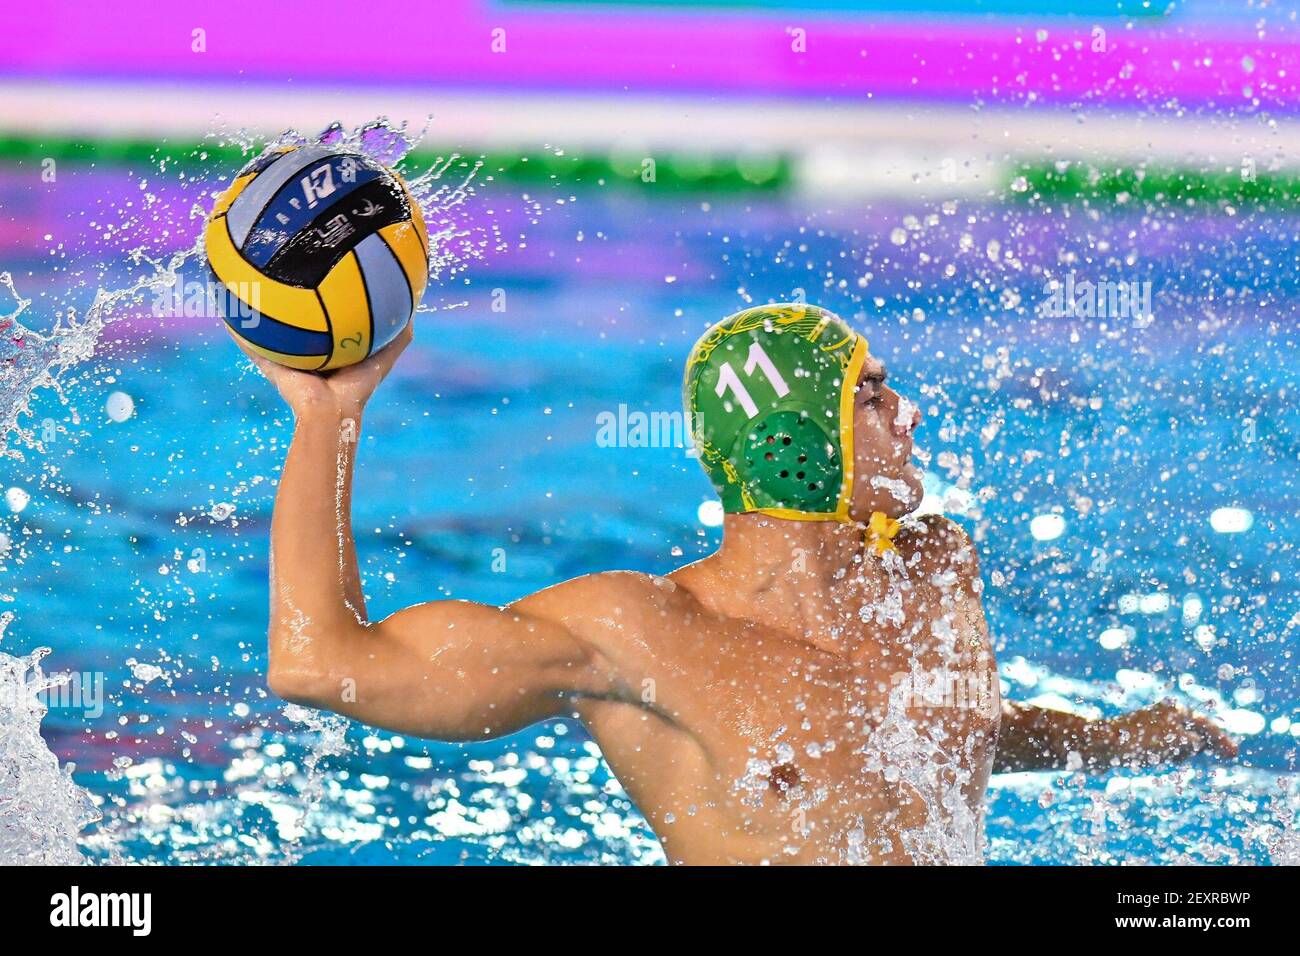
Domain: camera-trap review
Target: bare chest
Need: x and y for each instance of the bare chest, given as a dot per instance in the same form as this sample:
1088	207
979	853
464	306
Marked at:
807	753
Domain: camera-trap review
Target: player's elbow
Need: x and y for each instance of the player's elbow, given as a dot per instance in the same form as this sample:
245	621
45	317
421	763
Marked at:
301	678
310	666
297	686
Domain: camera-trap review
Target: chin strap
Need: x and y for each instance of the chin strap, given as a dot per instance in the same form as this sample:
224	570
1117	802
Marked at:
880	532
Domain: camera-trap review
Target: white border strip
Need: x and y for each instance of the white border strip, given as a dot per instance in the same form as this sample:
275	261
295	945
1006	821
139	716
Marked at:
857	147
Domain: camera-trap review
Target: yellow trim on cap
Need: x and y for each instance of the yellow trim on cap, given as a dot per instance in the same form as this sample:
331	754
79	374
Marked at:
789	514
846	424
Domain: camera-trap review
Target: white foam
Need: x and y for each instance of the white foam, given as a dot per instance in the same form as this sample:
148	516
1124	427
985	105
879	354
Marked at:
43	811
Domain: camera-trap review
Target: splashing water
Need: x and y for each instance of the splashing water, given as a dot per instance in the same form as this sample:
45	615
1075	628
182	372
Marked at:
31	361
329	740
43	811
907	756
263	794
889	608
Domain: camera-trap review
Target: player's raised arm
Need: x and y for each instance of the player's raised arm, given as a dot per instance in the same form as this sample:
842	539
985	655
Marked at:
448	669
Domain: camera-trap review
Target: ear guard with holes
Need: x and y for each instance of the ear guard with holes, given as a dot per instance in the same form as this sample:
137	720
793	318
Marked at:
792	461
769	396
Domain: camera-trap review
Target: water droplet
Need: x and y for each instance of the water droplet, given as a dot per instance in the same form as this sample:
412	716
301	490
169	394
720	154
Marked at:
1047	527
119	406
710	514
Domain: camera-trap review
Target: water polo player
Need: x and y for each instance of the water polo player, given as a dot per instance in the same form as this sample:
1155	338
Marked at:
822	689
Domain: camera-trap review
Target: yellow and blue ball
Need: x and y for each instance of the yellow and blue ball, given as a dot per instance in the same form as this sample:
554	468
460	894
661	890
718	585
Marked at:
322	253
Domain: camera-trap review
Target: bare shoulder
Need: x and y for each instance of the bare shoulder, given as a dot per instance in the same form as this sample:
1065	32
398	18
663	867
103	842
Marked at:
937	544
607	604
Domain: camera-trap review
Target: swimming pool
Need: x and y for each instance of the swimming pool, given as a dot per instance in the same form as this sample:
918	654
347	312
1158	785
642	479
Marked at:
1164	443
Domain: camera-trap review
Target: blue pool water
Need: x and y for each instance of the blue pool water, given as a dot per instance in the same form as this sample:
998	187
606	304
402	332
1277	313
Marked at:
128	562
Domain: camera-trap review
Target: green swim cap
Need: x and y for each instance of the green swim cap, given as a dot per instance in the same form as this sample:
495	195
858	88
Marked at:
769	396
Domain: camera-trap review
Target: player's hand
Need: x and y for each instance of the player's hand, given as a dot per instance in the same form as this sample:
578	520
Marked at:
1166	732
344	390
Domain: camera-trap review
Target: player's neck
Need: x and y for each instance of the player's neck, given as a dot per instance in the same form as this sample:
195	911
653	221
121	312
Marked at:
798	575
820	550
